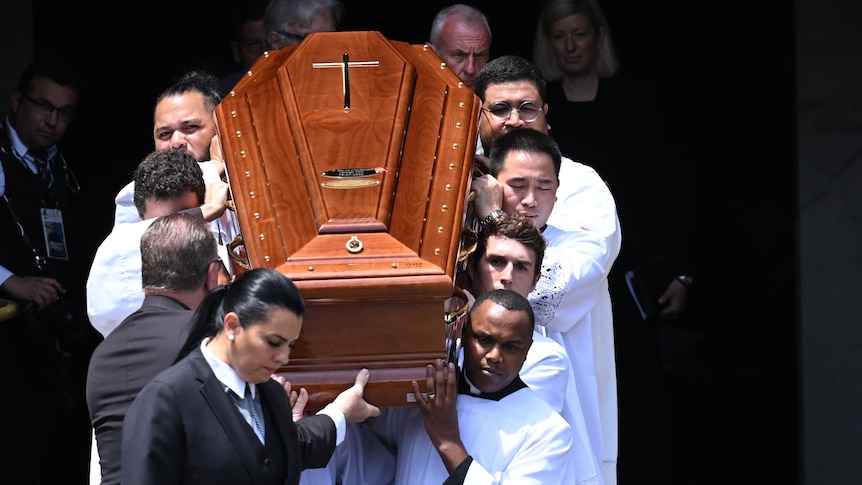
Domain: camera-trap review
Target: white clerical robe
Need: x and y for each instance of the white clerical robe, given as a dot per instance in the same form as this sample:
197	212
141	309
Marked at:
585	204
516	440
548	371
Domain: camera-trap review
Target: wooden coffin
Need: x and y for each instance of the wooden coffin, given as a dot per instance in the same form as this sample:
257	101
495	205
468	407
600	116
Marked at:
349	160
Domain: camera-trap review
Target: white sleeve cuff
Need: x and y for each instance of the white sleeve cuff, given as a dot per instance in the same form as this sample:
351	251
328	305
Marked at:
340	421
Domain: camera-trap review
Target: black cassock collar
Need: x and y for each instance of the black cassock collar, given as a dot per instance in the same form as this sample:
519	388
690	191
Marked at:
466	387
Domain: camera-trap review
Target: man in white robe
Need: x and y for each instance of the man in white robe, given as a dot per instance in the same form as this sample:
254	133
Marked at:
572	299
508	255
483	425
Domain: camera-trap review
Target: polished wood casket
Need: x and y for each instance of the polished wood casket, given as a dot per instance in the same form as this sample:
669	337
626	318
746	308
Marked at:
349	161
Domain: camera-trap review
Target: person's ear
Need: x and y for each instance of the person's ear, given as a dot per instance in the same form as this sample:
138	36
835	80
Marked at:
231	324
213	277
527	352
275	40
143	214
545	112
234	47
14	100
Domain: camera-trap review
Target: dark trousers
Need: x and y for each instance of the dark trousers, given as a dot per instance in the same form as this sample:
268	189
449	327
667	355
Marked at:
644	448
47	429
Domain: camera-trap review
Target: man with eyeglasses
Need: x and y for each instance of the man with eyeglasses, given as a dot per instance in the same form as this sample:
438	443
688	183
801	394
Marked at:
44	349
288	22
248	41
572	308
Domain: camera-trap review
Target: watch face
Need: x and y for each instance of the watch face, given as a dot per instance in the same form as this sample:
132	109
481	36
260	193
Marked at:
493	215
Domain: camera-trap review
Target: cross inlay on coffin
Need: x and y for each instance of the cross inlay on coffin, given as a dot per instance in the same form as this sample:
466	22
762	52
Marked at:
345	65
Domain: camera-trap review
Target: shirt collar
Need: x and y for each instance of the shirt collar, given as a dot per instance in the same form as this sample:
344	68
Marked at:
467	387
21	151
225	373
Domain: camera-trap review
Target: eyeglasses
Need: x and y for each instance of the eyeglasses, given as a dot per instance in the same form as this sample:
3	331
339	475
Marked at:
527	111
45	107
294	37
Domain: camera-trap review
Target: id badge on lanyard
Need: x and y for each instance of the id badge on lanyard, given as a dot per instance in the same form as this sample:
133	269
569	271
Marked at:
55	234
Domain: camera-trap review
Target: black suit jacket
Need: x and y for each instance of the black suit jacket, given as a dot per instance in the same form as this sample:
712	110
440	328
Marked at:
144	344
184	428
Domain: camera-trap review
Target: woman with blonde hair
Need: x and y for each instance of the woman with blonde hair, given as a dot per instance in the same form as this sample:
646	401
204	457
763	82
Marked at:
594	45
613	124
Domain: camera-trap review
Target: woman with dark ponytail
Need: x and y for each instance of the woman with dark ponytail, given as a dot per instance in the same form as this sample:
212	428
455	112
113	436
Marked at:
250	297
216	416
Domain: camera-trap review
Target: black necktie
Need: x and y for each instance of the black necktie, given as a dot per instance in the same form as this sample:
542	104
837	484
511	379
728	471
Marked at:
43	166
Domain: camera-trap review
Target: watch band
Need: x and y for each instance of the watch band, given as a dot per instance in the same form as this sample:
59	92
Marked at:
496	213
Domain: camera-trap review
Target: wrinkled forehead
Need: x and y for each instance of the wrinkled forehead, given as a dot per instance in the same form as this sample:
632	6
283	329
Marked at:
59	95
322	21
458	34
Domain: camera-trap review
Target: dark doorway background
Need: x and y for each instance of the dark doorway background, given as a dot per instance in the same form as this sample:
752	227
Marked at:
726	81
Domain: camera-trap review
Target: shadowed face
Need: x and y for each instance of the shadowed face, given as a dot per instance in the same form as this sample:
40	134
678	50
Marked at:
42	116
576	44
250	44
158	208
293	34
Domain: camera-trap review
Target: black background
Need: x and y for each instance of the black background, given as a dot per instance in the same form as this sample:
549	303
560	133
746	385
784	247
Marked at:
726	81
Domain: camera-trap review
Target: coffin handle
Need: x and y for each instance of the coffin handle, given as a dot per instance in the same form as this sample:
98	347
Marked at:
238	255
454	321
